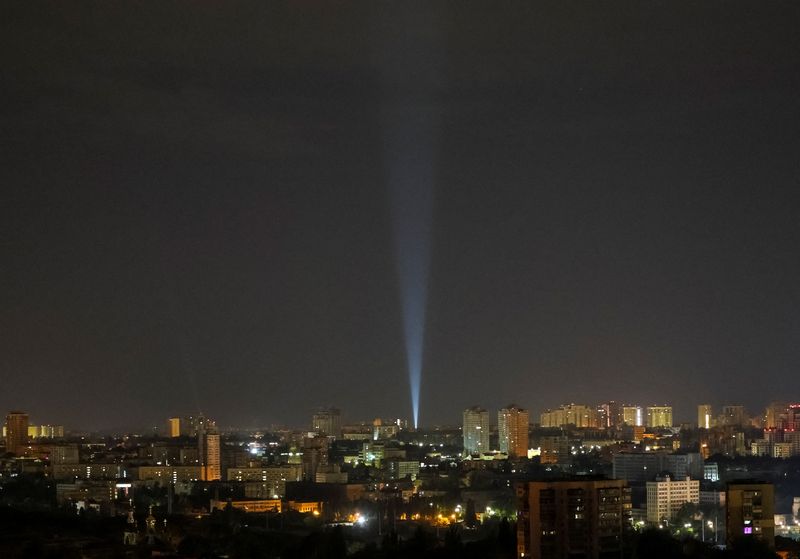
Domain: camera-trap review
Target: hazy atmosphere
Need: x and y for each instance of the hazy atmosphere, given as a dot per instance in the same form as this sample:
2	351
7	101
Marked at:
254	209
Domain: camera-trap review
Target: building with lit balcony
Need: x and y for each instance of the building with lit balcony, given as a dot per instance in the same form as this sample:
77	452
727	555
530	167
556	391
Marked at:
750	512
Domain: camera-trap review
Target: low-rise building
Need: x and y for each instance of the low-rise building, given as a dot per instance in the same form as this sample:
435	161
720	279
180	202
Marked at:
273	478
82	493
168	474
402	469
88	471
665	497
249	505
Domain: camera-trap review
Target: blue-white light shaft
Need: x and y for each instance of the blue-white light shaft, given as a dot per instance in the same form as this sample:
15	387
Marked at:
410	148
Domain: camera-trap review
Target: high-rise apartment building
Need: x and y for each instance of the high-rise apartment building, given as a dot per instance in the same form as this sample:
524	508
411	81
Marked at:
190	425
570	414
315	454
209	451
327	422
212	463
792	422
633	416
793	438
174	427
705	417
609	414
385	428
561	519
659	417
45	432
16	432
554	450
666	496
775	415
750	512
733	416
266	482
512	428
475	430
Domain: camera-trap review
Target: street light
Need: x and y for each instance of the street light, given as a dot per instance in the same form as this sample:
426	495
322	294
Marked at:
710	524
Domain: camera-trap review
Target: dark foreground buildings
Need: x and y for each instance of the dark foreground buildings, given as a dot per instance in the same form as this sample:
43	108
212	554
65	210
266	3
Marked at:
572	518
750	510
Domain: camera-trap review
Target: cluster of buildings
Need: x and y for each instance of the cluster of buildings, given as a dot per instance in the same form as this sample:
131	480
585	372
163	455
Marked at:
607	415
17	430
781	432
589	517
575	482
513	426
326	462
732	432
660	474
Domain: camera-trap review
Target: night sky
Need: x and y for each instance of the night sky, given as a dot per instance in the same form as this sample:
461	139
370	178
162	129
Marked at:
196	210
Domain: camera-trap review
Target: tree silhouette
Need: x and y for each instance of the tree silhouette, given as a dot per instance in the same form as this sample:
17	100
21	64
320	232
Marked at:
336	546
470	518
656	544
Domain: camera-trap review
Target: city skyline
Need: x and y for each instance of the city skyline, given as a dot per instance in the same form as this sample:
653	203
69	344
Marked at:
683	413
400	280
326	419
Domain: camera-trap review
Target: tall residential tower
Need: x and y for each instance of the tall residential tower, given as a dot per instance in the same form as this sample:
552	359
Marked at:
512	428
476	430
327	422
16	432
705	417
